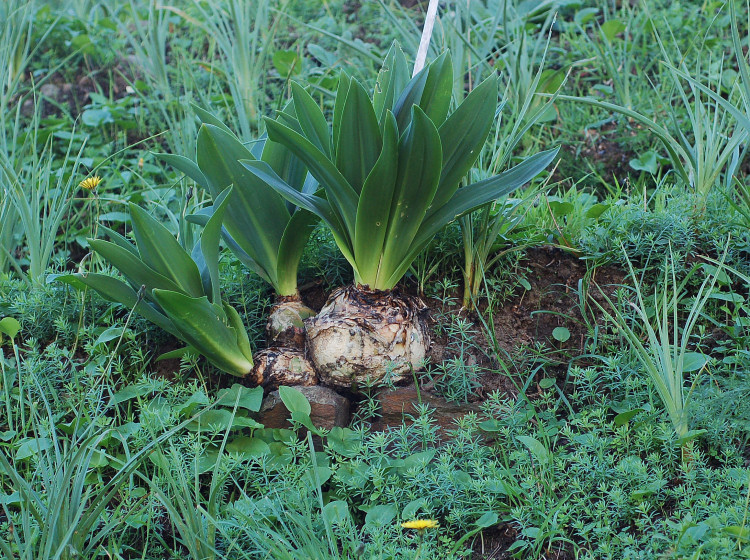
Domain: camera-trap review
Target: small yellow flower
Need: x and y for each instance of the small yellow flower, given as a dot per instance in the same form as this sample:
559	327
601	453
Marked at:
90	183
421	524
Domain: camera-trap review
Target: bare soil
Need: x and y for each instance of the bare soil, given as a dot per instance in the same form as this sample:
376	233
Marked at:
523	326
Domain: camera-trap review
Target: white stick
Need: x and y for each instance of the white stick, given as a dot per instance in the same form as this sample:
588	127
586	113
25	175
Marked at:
424	43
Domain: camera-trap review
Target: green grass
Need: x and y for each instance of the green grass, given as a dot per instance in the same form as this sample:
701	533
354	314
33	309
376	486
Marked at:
105	452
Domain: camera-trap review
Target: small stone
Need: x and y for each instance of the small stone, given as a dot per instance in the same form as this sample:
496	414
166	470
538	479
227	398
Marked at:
50	91
396	404
328	409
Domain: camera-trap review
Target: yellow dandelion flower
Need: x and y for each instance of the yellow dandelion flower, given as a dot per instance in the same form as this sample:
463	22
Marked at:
421	524
90	183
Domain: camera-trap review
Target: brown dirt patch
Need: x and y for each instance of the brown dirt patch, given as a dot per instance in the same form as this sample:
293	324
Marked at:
523	326
493	544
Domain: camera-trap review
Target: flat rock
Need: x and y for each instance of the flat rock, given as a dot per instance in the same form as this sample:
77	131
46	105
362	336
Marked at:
328	409
396	404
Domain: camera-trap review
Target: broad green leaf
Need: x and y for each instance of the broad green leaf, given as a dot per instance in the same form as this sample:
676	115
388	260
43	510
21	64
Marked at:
359	142
561	334
537	449
336	512
186	166
209	242
342	195
235	322
597	210
412	508
315	204
547	382
338	106
118	291
625	417
392	78
216	420
287	62
690	436
201	218
344	441
488	519
693	361
381	515
135	270
311	119
294	401
109	334
9	326
29	447
737	532
462	136
248	447
199	325
209	118
408	98
256	216
286	165
12	499
419	164
119	240
176	354
161	251
647	162
243	397
292	246
430	90
131	392
375	202
611	28
438	90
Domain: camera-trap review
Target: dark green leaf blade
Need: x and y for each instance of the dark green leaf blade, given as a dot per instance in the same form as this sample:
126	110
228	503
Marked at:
392	79
315	204
462	136
135	270
292	246
256	216
199	325
359	141
311	119
419	164
186	166
375	202
161	251
118	291
209	242
342	196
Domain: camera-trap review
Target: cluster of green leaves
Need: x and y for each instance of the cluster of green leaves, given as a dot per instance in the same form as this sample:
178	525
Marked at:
173	289
265	233
391	165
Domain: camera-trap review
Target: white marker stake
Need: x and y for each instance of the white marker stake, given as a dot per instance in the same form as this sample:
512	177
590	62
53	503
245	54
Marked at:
424	42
